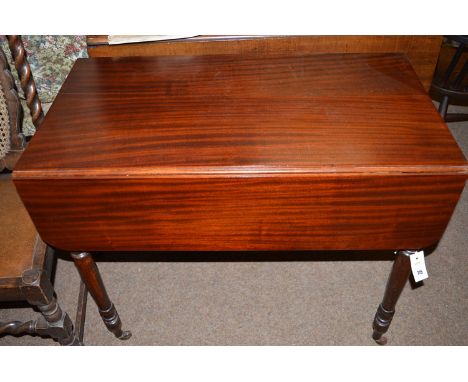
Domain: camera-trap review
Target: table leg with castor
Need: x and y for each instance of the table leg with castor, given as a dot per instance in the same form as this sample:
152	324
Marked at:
395	284
90	275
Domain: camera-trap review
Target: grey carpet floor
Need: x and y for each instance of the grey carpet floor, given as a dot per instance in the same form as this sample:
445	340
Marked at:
275	303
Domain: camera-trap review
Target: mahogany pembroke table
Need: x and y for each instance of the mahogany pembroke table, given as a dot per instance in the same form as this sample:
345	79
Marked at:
226	153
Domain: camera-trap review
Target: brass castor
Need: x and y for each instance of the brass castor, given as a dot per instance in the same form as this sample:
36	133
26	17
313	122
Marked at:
382	340
126	334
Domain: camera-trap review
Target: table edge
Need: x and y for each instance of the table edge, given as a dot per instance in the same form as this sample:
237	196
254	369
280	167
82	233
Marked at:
238	171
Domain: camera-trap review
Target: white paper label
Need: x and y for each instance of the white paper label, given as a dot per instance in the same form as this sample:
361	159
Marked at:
418	266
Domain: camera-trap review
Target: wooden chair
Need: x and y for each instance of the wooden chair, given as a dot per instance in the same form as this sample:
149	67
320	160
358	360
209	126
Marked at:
25	260
449	84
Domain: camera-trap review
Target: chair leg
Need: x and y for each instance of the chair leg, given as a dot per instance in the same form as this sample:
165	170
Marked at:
91	277
443	107
396	282
81	313
38	291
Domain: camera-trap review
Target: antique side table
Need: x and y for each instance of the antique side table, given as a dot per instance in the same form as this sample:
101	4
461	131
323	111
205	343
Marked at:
184	153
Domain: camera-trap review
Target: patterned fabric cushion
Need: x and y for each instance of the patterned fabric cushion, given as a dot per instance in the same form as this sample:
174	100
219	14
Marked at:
50	58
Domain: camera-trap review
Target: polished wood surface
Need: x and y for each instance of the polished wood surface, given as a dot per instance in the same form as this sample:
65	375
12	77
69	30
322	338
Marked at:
422	51
231	114
90	274
341	151
243	213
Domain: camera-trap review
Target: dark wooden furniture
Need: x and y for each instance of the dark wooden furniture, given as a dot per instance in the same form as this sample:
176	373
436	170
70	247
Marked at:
450	82
25	274
12	141
25	260
422	51
26	78
15	109
318	152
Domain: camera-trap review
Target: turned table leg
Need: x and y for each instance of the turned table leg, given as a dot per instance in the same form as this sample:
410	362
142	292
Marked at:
395	284
90	275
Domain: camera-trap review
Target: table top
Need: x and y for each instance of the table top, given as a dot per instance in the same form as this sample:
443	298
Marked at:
330	151
211	115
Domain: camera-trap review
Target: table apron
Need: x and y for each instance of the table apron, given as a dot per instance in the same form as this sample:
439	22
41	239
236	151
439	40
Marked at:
319	212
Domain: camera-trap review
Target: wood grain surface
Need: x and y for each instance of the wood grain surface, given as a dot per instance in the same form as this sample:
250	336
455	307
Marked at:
341	151
243	213
231	114
422	51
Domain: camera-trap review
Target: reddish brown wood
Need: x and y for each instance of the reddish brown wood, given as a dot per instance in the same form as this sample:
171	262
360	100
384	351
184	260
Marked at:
422	51
277	77
229	114
90	275
242	152
284	212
